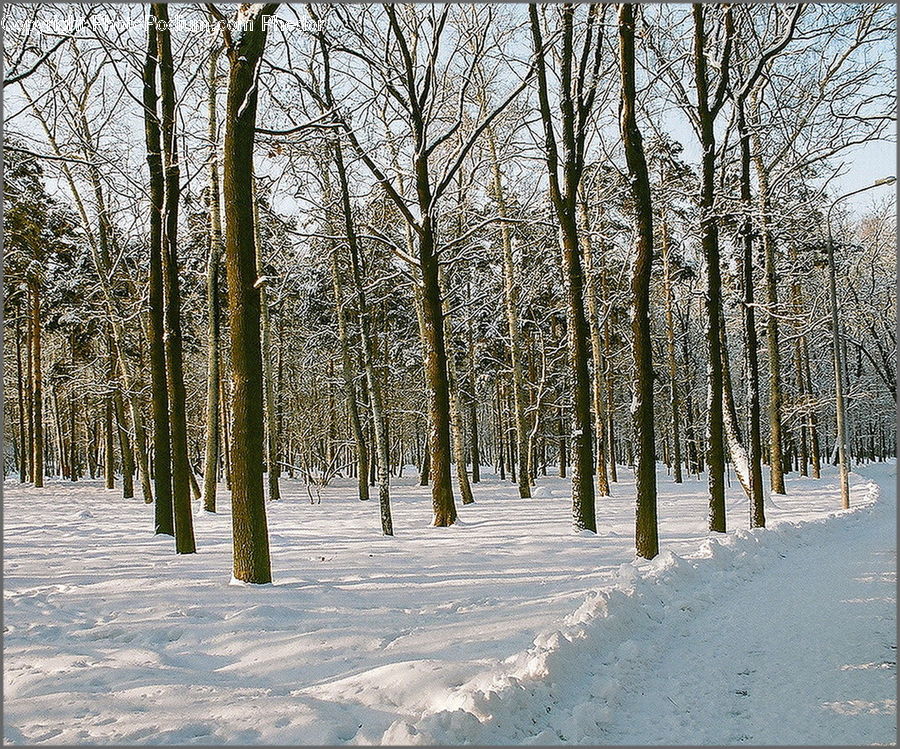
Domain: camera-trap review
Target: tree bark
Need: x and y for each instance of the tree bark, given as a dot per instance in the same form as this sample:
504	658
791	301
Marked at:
162	457
181	468
646	536
597	352
37	386
211	457
249	527
674	400
273	467
511	306
347	375
757	504
776	458
374	385
709	230
564	202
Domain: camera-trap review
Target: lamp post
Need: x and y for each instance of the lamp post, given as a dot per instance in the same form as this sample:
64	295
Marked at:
840	415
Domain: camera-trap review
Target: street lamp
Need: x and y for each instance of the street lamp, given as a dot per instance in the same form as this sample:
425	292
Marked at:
836	348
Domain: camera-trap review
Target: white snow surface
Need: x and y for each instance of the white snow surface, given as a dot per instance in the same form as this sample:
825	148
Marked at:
507	629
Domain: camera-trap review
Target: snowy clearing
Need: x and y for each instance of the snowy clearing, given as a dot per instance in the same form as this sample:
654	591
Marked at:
508	628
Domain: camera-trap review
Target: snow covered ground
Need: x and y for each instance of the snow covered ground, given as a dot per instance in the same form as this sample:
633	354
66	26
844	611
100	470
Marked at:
508	628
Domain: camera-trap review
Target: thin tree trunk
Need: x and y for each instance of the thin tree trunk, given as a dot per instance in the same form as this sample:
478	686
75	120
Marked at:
472	401
273	468
211	456
590	281
382	445
674	400
457	429
511	306
776	460
362	451
709	230
23	457
37	387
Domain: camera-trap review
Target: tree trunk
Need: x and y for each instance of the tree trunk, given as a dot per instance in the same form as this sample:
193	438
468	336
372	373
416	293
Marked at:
273	468
511	305
125	447
24	453
674	400
211	457
249	526
362	451
382	445
162	458
776	465
645	537
564	202
181	468
597	352
709	230
757	504
457	428
472	401
37	386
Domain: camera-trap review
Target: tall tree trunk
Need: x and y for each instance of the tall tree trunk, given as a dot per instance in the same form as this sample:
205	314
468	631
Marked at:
646	536
37	386
273	468
511	306
776	459
24	454
249	526
125	447
709	230
362	450
590	282
564	200
674	400
472	399
181	468
457	428
211	457
29	386
382	445
162	456
757	504
813	426
109	463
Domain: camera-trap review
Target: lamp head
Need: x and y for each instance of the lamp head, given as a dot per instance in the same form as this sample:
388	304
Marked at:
885	181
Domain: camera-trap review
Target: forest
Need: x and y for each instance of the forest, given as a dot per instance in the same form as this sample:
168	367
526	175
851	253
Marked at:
310	242
449	373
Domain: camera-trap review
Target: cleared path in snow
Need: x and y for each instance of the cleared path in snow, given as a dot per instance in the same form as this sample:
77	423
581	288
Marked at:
802	654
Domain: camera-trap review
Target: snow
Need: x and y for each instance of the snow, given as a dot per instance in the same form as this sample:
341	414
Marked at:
509	628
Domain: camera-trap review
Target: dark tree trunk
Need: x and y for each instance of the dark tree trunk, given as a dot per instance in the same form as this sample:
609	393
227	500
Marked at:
646	538
181	467
162	460
757	505
382	445
211	457
709	231
249	526
564	199
37	387
24	455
